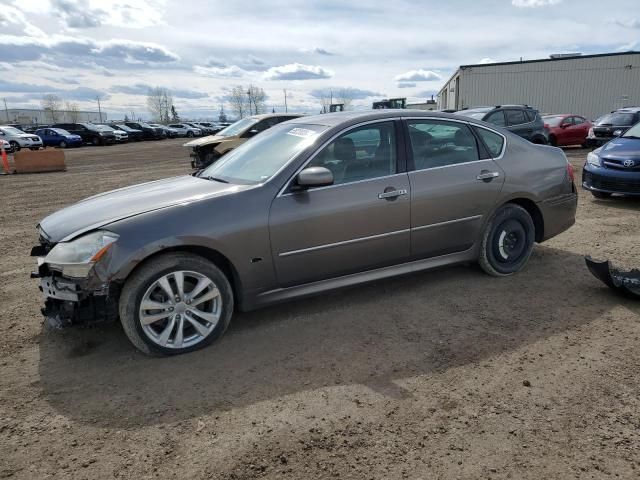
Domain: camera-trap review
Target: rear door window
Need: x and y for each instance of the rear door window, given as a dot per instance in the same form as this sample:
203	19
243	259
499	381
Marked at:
516	117
492	141
497	118
438	143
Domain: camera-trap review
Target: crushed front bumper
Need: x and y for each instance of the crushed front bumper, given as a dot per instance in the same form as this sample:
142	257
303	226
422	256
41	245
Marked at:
627	283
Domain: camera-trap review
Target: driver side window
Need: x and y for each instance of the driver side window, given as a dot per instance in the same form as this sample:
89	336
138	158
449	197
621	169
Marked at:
360	154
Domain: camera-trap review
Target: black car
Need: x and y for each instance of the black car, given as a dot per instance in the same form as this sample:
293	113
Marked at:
135	135
89	133
148	132
612	125
522	120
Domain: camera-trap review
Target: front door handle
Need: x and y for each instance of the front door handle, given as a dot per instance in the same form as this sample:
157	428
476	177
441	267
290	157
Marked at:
392	194
487	176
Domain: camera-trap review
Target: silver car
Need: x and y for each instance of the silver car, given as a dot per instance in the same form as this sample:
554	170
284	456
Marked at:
309	205
19	139
185	130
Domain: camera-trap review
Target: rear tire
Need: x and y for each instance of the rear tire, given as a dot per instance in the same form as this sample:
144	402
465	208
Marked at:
553	141
144	284
600	194
507	242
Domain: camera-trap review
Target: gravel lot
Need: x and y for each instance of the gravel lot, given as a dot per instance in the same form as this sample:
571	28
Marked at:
445	374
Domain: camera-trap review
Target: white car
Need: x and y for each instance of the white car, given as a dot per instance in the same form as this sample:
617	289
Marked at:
18	139
185	130
121	135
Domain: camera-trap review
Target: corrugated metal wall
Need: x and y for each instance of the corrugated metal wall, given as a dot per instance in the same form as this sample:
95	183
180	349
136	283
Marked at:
587	86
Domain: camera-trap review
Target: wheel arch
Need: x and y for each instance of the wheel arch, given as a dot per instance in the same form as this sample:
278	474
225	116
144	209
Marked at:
532	209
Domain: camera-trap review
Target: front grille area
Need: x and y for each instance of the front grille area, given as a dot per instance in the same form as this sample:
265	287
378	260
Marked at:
618	165
611	184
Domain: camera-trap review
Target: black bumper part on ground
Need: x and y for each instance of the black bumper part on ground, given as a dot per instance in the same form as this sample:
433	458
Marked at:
627	283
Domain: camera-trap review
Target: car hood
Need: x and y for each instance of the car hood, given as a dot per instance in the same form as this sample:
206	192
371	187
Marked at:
208	140
621	149
100	210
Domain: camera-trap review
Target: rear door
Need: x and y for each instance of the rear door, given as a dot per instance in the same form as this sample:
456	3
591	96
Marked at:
454	184
359	223
518	123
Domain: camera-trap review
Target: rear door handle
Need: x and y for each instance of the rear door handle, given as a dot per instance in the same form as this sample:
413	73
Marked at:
487	175
392	194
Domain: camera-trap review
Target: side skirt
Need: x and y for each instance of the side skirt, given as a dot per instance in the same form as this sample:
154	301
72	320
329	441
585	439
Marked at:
278	295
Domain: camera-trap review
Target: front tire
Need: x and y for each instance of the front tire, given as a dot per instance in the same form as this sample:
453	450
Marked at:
15	145
190	134
62	144
95	141
176	303
507	242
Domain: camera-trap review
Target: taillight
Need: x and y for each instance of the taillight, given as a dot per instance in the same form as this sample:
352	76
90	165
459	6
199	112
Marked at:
570	172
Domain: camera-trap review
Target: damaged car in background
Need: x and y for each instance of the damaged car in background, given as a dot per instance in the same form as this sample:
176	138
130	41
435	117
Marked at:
311	205
207	150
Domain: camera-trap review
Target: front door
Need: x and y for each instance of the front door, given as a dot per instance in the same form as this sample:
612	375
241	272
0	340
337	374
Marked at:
454	186
518	123
359	223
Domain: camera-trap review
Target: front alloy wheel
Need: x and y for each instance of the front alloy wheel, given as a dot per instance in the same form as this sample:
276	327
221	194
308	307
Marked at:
176	303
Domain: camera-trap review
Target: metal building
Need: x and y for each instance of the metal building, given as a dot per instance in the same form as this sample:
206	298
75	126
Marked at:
27	116
588	85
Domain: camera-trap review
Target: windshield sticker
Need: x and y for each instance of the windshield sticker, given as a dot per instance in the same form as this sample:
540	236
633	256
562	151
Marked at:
301	132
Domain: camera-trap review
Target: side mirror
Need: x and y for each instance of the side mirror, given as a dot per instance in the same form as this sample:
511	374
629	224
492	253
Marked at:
314	177
564	125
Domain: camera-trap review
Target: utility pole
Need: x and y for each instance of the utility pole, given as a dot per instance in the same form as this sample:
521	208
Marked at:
285	101
6	110
99	109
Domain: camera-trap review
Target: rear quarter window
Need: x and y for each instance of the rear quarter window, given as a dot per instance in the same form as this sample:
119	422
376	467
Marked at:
492	140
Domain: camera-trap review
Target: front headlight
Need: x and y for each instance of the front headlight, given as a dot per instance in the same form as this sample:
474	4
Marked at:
593	159
77	257
590	134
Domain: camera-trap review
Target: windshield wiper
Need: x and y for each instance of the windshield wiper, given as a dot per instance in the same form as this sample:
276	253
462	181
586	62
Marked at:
215	179
631	136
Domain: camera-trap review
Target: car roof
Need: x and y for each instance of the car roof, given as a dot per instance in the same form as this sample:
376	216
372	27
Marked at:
271	115
338	118
628	110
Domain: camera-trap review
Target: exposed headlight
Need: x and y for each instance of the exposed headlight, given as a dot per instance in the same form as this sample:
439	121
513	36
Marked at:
590	134
593	159
77	257
617	133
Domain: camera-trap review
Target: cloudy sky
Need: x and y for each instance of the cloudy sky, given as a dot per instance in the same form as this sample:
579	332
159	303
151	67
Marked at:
117	49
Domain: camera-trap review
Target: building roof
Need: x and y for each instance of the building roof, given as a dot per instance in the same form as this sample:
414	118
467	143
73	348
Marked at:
558	59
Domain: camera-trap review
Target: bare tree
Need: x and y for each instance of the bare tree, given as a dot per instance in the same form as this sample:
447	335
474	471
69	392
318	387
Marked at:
160	103
238	101
345	96
51	104
326	99
74	112
256	98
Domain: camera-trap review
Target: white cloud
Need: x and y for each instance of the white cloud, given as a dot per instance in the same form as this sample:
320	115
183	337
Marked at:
628	23
486	60
419	75
221	72
533	3
297	71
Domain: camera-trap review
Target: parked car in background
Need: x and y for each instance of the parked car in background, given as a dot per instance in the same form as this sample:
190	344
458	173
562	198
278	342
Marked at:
121	135
522	120
212	128
612	125
310	205
168	131
19	139
133	133
89	132
148	132
186	130
205	127
614	167
206	150
565	130
57	137
6	146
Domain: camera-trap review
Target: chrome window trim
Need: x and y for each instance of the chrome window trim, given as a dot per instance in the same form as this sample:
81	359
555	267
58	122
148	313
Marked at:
448	222
343	242
287	184
470	125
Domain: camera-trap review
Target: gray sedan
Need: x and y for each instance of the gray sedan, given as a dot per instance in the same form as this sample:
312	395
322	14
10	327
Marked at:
309	205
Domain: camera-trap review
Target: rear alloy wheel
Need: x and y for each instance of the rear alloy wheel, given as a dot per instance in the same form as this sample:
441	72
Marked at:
507	242
600	194
62	144
175	304
15	145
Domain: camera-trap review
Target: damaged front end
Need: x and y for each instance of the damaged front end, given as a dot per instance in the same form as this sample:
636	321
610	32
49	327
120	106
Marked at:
203	156
74	281
627	283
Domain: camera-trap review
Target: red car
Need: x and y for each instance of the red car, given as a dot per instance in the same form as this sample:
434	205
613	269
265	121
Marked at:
567	129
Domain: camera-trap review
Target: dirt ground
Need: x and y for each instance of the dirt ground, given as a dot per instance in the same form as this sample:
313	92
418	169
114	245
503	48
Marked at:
448	374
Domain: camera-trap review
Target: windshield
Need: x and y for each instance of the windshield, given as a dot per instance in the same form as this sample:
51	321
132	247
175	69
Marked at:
104	128
12	131
633	132
476	114
144	125
238	127
553	121
260	158
616	119
60	131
